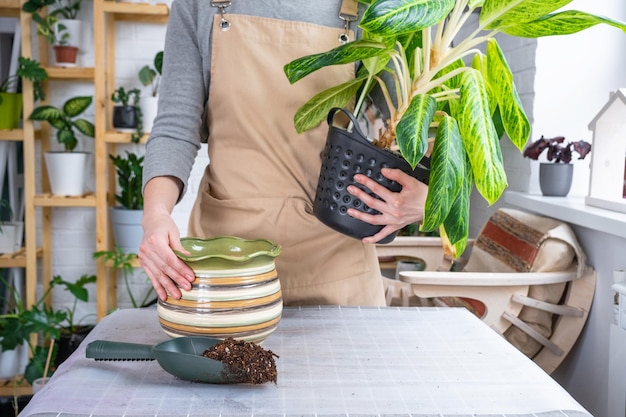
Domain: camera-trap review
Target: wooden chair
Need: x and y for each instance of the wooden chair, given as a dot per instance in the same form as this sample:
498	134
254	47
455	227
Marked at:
512	300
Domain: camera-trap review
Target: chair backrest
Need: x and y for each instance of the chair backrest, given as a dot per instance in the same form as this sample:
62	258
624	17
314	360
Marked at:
528	271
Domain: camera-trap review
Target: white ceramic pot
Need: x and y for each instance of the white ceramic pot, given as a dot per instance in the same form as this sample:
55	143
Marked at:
11	236
66	172
13	362
127	229
148	106
236	292
80	34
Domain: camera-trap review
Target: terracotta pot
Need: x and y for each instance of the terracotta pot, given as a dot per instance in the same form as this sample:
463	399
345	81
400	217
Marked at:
236	292
65	55
346	154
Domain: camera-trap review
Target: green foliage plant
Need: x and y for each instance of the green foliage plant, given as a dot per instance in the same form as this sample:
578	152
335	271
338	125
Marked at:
49	27
152	75
66	9
439	87
31	70
66	120
124	261
130	98
126	98
18	325
129	170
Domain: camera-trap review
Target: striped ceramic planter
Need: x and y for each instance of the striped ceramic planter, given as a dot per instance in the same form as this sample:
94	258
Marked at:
236	292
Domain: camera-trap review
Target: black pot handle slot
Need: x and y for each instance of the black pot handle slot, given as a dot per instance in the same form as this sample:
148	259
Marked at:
355	123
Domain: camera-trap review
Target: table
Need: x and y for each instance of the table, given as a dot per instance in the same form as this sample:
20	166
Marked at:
333	361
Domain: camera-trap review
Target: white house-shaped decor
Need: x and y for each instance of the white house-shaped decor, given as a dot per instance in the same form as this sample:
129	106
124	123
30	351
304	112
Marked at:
607	185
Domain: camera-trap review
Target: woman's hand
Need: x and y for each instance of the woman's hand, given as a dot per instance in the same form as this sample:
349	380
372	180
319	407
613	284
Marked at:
165	270
396	209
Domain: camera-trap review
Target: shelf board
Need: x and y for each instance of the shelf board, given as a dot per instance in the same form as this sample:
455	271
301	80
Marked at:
16	259
11	134
10	8
70	73
17	386
120	137
137	12
49	200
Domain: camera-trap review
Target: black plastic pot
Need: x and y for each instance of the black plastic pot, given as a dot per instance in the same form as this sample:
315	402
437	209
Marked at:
124	117
69	342
347	153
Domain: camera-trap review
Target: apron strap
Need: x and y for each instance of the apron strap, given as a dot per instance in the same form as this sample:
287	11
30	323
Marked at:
349	8
349	12
222	5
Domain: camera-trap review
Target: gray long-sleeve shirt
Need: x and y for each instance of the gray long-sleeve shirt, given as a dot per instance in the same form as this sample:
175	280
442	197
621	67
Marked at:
180	125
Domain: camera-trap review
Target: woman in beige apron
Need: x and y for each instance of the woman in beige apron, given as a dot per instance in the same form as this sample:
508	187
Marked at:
262	175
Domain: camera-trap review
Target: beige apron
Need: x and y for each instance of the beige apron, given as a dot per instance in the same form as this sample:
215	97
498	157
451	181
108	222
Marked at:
262	175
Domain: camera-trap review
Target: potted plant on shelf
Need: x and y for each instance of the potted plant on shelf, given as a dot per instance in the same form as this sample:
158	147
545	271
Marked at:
150	77
448	96
126	217
17	326
555	176
64	15
119	259
57	35
127	114
66	169
11	231
10	91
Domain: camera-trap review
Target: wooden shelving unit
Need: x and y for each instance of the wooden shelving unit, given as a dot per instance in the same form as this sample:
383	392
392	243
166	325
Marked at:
106	14
27	256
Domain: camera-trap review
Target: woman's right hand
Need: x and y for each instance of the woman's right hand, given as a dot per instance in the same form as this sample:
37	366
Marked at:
161	237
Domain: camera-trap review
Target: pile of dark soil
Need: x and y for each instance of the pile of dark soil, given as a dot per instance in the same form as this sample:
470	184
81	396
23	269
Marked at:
245	362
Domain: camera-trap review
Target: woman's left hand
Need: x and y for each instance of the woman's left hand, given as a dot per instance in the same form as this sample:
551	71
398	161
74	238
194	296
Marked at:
396	209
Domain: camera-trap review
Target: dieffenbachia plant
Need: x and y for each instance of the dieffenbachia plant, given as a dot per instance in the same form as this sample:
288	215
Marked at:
435	80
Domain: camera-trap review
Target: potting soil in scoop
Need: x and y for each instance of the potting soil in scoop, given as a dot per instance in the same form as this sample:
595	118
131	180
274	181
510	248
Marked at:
245	362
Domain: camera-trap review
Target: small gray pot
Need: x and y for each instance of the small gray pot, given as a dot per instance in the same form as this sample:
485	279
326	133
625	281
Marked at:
555	180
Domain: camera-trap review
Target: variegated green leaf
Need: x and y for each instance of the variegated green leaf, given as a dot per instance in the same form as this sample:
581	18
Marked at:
316	109
67	139
447	164
497	14
473	4
377	63
410	43
513	116
563	23
480	138
455	81
412	130
456	224
396	17
46	113
60	124
85	127
479	63
344	54
76	105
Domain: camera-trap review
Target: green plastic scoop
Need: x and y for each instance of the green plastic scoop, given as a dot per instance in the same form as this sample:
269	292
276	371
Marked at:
181	357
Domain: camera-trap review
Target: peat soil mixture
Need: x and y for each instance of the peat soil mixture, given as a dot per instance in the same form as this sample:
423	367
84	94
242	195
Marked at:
244	362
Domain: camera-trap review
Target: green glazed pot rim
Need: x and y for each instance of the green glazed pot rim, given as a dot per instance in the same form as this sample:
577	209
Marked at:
230	248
